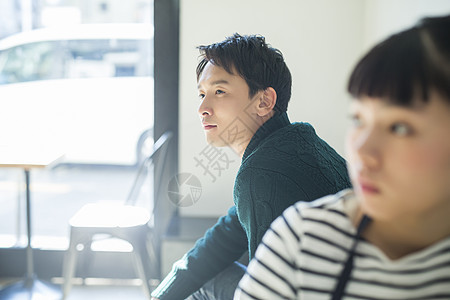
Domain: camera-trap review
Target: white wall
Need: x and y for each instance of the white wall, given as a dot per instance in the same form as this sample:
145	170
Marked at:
384	17
321	41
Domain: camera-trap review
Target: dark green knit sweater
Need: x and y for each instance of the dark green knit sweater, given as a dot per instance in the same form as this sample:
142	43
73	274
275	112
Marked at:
283	163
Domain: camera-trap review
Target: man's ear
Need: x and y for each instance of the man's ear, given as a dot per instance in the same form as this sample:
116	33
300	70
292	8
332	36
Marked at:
267	102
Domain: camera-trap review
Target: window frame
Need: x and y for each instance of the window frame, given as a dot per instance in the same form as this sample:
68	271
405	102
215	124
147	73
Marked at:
48	263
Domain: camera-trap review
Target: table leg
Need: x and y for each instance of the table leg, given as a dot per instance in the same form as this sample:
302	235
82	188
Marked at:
30	261
30	287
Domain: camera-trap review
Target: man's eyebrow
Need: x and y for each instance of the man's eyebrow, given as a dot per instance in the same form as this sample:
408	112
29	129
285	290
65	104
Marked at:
217	82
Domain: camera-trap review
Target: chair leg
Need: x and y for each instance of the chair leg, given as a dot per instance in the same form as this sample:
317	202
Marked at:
140	260
69	264
85	260
153	261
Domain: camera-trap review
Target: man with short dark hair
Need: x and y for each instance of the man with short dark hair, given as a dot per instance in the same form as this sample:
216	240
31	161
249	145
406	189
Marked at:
244	86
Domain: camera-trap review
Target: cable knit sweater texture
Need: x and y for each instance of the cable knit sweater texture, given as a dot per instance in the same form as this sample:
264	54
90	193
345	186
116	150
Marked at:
283	163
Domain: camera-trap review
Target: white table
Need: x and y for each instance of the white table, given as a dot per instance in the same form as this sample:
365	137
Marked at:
30	287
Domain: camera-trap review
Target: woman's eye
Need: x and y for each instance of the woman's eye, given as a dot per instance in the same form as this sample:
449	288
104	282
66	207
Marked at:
201	96
218	92
401	129
355	120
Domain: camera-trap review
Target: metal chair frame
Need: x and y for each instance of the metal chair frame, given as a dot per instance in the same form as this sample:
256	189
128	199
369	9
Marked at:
127	222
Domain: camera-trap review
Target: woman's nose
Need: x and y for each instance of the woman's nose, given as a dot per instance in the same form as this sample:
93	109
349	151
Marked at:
367	147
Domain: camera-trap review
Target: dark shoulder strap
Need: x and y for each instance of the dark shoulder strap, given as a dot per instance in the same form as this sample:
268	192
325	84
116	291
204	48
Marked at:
345	274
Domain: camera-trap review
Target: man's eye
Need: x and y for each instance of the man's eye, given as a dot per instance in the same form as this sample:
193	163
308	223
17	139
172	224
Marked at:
201	96
218	92
401	129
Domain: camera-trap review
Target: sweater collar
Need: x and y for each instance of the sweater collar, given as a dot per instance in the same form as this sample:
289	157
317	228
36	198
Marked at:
279	120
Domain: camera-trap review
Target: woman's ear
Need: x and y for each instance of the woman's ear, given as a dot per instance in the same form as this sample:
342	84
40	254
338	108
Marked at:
267	102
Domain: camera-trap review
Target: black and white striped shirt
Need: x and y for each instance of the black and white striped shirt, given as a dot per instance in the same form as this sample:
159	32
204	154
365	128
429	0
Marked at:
303	253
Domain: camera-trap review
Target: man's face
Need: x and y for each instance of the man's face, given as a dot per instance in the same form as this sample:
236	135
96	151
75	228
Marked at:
227	113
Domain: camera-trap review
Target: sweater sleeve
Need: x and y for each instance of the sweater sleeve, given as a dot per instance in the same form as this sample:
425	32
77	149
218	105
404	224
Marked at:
272	274
221	245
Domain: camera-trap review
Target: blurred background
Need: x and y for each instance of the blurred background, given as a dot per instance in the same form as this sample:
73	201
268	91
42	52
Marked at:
76	78
97	80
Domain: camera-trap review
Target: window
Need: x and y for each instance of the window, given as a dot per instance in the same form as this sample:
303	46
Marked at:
85	90
56	193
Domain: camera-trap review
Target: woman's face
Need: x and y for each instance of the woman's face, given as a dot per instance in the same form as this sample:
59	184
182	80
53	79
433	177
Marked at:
399	158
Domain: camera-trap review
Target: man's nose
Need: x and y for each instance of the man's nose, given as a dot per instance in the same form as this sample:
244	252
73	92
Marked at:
205	108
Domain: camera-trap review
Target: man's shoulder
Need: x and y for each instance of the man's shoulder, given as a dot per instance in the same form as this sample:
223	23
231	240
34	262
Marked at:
295	128
292	143
293	133
297	140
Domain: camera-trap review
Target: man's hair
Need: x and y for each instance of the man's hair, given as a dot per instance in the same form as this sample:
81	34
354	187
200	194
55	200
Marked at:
407	65
260	65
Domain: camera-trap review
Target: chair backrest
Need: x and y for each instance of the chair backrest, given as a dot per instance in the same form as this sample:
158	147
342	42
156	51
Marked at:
157	157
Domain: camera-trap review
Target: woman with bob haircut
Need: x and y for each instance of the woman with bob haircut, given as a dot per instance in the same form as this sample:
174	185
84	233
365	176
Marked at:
389	236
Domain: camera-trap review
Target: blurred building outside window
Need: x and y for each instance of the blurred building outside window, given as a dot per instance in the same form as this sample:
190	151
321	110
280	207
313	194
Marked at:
79	78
